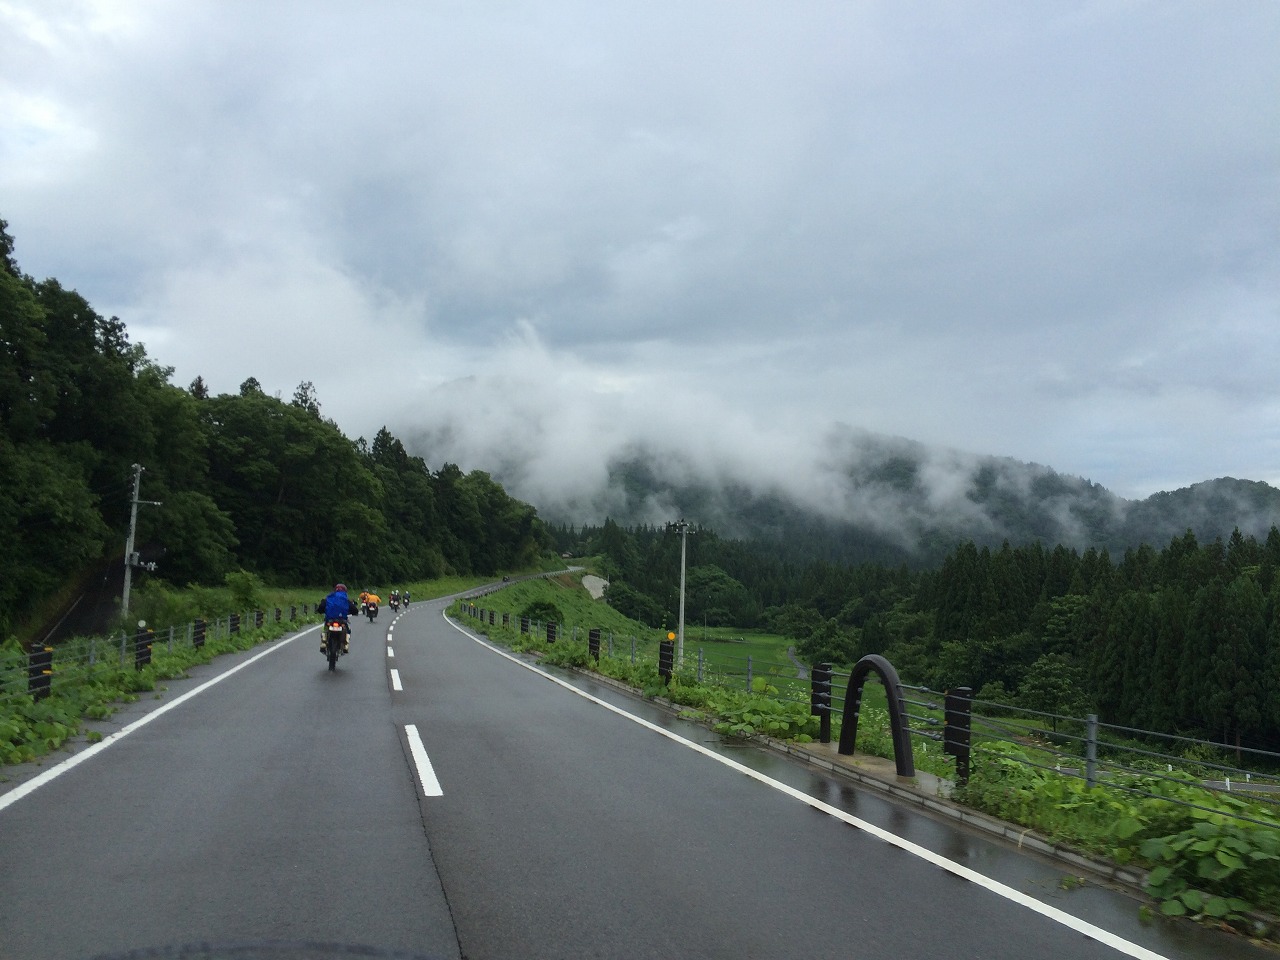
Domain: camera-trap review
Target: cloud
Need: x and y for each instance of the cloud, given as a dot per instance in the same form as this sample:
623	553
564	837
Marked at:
725	227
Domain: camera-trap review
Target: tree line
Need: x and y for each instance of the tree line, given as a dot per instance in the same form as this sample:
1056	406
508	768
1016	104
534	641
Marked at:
1183	639
246	481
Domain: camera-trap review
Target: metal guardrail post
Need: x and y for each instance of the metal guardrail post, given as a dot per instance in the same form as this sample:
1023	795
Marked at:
524	624
258	617
702	662
39	670
1091	750
197	633
749	665
593	643
957	729
820	699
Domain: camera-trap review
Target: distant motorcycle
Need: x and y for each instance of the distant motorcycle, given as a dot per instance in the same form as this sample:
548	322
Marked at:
335	638
371	609
395	605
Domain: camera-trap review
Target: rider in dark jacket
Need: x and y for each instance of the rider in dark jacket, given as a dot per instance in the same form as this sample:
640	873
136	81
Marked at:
338	606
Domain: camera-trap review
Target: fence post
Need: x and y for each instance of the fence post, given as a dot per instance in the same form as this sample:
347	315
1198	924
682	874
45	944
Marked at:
749	673
666	659
593	643
701	664
957	725
633	649
171	638
551	632
124	645
820	699
142	648
197	633
39	670
1091	750
524	624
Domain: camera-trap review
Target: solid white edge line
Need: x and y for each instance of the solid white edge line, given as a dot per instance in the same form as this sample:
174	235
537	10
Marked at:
35	783
1084	927
426	773
395	681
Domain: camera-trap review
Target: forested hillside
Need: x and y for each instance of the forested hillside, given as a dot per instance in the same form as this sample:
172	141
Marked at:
246	481
1185	638
882	499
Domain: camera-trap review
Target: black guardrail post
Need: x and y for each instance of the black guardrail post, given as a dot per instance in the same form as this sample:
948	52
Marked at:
493	617
142	648
551	633
39	670
956	731
524	624
820	699
666	659
593	643
233	623
197	634
258	617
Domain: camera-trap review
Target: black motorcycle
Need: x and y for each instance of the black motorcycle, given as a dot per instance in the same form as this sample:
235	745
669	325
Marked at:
371	609
335	638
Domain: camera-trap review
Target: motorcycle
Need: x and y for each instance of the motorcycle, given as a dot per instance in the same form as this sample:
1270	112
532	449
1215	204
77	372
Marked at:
372	610
395	605
335	638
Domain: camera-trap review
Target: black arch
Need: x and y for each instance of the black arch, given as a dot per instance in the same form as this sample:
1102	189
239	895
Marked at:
902	757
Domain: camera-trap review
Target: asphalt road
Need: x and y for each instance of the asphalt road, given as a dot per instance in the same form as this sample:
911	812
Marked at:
436	796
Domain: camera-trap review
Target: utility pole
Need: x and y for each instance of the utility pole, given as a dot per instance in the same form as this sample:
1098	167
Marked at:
131	559
683	527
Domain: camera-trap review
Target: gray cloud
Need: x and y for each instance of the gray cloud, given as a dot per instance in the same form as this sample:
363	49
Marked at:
716	228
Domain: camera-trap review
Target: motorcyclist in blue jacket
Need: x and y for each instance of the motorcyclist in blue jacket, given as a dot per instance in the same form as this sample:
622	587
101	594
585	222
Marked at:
338	606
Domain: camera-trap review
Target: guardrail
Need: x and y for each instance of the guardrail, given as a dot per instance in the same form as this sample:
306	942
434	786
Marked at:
44	669
967	730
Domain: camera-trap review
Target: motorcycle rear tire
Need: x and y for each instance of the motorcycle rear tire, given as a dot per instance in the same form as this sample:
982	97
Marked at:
333	656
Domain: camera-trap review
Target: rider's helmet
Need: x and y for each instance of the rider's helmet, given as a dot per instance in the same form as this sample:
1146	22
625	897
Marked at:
341	586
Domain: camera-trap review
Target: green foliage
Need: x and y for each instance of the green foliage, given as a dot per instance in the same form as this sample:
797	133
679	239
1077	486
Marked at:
542	611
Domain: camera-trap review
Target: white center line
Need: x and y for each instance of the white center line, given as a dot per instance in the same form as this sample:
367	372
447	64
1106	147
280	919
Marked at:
395	680
391	654
426	773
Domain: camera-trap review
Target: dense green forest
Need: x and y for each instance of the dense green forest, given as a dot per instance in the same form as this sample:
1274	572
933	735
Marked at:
1184	639
246	481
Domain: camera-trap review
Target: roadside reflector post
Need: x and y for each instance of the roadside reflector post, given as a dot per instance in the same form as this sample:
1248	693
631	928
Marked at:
820	699
39	670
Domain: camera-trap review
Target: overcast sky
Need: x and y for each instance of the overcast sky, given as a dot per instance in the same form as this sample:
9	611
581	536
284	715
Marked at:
1048	231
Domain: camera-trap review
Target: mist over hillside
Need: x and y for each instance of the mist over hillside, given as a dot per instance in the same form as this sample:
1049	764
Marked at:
849	494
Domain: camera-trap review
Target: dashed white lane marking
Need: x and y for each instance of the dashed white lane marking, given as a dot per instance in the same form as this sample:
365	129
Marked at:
426	773
1116	942
395	680
391	654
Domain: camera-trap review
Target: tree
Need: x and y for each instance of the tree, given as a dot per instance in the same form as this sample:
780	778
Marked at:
1055	685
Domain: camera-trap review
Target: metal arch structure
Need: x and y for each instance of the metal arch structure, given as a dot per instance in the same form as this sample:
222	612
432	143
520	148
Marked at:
902	758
